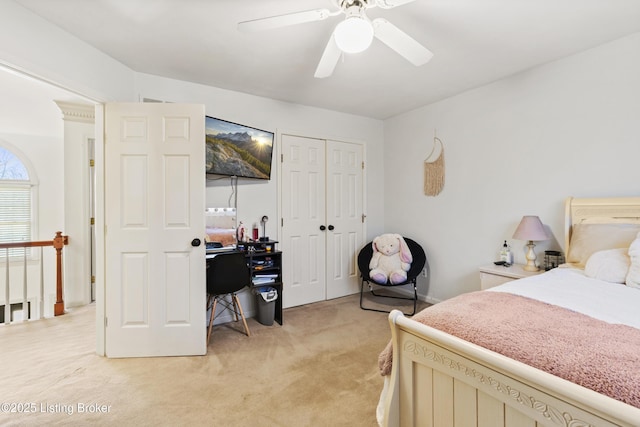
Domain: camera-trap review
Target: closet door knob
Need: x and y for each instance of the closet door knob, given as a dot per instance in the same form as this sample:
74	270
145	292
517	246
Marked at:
331	227
195	243
322	228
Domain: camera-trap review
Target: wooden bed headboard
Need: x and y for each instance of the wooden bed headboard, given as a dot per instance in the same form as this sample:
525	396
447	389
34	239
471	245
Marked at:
601	210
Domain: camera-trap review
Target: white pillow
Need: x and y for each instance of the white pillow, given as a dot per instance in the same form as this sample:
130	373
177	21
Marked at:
633	276
610	265
589	238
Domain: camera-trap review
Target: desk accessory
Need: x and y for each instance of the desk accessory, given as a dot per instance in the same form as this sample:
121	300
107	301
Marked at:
263	221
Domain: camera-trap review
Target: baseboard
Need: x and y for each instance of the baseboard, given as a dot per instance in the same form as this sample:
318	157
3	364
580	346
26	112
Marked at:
428	299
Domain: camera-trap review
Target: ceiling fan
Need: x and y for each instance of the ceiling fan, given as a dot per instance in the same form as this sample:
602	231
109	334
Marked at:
352	35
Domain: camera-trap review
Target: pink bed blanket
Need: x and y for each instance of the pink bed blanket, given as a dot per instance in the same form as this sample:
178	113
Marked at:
586	351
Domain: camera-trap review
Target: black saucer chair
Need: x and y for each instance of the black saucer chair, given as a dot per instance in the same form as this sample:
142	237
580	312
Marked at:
419	260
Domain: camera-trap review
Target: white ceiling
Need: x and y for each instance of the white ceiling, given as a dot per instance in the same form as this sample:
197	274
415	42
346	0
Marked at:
474	41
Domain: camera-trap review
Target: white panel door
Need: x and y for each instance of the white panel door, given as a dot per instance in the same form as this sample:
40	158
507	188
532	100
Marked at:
303	211
344	217
322	222
155	282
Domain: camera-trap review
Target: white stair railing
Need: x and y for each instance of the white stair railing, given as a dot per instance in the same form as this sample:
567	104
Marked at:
27	304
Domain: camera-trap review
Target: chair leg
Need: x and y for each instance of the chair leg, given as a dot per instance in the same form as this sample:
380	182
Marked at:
415	298
235	307
209	296
213	312
244	321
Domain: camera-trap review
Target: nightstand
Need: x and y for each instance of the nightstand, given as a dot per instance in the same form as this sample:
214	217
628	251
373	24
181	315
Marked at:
493	275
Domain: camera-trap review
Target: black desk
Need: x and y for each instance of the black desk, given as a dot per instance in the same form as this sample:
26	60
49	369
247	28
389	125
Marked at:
262	258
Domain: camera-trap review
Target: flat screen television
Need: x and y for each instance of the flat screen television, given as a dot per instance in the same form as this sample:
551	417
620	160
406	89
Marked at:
237	150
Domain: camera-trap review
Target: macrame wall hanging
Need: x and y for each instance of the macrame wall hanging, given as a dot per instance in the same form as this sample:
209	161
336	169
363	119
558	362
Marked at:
434	169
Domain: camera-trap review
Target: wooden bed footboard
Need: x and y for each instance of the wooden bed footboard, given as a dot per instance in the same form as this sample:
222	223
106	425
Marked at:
438	380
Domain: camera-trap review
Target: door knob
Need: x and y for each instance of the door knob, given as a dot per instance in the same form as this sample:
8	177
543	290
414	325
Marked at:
331	227
195	243
322	228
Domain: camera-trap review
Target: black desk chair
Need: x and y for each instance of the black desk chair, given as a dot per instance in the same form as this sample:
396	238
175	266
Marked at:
227	273
419	260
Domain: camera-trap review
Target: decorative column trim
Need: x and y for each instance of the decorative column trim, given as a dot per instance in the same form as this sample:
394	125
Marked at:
74	112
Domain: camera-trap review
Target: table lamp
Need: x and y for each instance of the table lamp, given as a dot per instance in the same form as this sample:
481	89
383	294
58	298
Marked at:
530	228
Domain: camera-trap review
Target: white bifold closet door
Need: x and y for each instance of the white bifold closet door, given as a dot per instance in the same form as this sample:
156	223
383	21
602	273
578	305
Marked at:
322	218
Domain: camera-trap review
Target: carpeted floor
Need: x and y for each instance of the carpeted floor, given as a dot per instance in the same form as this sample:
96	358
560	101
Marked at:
319	369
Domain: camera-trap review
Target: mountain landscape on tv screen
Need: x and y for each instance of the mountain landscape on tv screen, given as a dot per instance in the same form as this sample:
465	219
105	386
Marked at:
238	154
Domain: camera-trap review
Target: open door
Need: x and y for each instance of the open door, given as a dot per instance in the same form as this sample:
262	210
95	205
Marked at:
154	254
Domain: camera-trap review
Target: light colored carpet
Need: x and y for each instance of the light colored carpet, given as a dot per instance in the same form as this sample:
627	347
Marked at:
319	369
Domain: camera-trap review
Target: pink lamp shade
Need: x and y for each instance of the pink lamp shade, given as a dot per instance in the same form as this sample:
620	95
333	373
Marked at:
530	228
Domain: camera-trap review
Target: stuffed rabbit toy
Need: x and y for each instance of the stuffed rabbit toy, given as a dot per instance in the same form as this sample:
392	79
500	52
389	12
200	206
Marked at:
391	259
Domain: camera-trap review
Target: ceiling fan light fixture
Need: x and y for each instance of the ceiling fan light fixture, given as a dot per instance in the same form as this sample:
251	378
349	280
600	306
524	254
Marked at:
354	34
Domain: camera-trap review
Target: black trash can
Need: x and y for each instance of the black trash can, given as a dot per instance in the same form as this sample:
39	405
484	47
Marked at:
266	297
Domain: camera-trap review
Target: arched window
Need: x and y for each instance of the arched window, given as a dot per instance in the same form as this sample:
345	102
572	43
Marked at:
16	194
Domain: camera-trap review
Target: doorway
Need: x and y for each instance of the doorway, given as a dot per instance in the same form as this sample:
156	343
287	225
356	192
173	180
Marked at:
62	171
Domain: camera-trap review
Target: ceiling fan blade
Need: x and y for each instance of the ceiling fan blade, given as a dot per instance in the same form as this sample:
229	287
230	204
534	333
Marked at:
390	4
401	42
329	59
284	20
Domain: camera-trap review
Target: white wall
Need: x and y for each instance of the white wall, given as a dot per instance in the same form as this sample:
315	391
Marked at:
77	205
44	155
32	45
516	147
28	42
258	198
